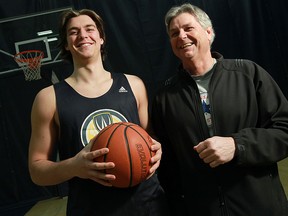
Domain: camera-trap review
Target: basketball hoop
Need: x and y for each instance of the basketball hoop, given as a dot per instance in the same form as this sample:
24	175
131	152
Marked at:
30	62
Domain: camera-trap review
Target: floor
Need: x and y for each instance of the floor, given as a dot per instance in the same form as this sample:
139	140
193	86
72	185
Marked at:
57	206
283	170
51	207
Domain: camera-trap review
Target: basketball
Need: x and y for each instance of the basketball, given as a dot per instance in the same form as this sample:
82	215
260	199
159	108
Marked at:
129	148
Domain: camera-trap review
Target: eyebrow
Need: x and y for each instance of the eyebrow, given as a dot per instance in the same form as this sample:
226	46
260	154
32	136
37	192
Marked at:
183	26
75	28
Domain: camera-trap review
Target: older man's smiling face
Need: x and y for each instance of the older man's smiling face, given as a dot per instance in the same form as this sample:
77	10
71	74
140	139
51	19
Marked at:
188	38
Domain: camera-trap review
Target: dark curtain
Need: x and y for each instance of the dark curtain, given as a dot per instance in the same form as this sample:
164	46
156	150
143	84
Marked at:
137	43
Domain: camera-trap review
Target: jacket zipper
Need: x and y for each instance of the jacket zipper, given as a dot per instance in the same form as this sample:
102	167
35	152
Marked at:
222	202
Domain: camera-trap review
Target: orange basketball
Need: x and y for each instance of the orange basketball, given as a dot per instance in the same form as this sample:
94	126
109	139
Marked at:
129	148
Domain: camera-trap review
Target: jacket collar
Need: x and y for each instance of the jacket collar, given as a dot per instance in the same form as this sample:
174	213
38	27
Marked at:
183	73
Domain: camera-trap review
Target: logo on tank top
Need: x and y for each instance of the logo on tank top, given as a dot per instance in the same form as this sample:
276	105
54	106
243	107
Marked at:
122	89
96	121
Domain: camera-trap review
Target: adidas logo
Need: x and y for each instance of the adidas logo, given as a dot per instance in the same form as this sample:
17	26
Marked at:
122	89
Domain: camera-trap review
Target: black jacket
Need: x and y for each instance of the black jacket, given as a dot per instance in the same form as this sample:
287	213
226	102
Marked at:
245	104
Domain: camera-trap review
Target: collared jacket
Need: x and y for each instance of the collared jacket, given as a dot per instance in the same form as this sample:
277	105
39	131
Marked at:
247	105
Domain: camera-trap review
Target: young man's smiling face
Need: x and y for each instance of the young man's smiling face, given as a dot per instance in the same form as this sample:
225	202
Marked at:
83	38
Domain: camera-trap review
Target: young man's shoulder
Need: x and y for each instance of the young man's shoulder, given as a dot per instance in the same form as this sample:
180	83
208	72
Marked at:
132	77
134	80
46	91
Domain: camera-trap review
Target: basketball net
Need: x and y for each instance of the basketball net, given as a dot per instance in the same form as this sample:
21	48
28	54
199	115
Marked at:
30	62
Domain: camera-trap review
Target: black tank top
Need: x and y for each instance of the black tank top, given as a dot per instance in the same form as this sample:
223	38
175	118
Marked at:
81	119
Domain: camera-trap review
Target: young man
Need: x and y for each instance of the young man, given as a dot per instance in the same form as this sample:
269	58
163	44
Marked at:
223	126
73	111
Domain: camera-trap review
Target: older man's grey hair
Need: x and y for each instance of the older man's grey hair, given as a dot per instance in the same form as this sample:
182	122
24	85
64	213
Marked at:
203	19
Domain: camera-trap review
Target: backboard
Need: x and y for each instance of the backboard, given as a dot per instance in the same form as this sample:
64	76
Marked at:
37	31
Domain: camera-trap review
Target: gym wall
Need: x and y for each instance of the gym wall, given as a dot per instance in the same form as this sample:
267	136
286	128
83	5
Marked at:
137	43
